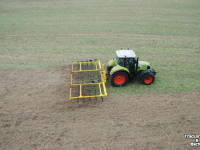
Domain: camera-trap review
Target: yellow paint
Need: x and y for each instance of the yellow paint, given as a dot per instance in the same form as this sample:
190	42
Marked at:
85	70
80	91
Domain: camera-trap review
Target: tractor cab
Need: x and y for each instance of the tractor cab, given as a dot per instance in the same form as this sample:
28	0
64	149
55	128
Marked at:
126	58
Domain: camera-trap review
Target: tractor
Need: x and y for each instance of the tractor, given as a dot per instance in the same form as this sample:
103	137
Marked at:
88	78
127	67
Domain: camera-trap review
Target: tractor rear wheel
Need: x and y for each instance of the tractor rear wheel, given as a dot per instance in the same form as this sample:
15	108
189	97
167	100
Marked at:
119	79
147	79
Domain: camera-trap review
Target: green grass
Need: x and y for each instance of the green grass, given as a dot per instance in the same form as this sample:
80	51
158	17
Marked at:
53	33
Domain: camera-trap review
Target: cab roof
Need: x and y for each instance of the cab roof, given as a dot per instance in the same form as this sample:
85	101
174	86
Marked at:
125	54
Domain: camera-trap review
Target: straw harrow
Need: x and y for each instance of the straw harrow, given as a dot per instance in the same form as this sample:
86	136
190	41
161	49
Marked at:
88	80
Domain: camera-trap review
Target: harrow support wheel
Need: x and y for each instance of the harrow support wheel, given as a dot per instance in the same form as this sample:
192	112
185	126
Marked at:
147	79
119	79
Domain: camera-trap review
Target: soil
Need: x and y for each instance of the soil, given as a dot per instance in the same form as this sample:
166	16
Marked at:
35	113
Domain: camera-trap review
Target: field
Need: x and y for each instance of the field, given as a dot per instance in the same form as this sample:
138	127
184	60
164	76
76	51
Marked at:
40	39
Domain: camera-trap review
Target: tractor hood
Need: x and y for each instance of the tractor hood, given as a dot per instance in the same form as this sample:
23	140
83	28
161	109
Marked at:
112	62
143	65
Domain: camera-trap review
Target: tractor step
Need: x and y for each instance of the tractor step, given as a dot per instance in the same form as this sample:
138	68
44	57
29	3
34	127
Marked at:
88	80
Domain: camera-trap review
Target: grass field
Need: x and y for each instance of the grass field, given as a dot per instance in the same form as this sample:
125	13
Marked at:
57	33
39	39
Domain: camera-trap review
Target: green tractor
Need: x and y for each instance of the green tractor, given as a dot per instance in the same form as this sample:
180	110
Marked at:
127	67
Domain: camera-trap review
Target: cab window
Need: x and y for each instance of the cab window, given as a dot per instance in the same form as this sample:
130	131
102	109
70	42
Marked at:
120	61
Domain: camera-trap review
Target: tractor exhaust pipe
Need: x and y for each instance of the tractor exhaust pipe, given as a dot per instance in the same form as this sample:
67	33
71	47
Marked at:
136	66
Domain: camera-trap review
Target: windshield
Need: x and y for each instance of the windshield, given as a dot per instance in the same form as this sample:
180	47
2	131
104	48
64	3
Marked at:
120	61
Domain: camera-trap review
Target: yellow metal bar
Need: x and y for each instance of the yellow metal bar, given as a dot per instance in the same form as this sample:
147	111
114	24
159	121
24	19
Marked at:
85	84
80	91
71	78
96	65
72	67
99	65
100	89
70	93
104	76
104	88
88	96
86	70
84	62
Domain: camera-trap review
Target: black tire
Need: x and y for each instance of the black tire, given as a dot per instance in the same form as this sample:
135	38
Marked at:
147	79
119	79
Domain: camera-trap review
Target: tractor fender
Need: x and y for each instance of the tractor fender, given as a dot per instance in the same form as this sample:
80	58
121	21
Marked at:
121	71
143	73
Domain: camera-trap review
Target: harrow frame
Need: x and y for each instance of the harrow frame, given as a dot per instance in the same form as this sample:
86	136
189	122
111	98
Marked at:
81	68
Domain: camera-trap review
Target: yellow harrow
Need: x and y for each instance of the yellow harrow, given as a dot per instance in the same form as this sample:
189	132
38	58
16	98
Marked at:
88	80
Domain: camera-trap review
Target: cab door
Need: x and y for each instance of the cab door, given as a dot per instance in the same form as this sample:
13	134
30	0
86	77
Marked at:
129	64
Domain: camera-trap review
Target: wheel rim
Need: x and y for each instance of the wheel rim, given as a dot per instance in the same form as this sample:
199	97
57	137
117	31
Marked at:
148	79
119	79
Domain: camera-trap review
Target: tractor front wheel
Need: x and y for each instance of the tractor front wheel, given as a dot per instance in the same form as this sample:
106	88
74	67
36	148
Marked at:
147	79
119	79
